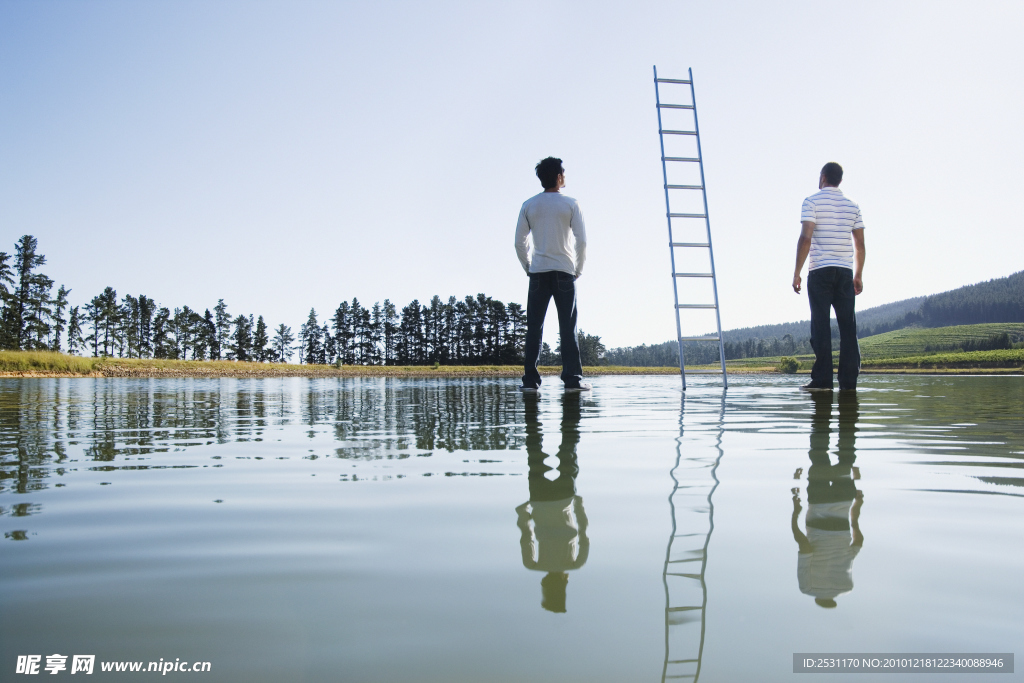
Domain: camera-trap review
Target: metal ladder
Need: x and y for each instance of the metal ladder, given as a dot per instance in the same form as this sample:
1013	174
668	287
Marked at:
670	215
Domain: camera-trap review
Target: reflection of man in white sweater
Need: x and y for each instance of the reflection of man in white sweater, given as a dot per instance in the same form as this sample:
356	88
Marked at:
556	542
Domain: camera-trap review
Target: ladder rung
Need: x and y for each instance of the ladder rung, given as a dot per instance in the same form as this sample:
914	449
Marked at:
678	132
687	215
683	609
689	244
684	187
693	274
698	339
682	661
685	576
696	306
676	106
703	372
673	80
680	159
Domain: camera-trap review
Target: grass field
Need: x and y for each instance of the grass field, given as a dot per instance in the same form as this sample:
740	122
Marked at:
913	341
49	363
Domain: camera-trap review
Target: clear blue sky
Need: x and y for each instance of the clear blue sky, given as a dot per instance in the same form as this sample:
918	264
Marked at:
283	155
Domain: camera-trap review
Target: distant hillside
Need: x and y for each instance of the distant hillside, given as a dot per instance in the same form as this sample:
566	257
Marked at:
869	321
996	301
919	341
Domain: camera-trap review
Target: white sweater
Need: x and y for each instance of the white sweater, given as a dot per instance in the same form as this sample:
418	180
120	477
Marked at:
550	217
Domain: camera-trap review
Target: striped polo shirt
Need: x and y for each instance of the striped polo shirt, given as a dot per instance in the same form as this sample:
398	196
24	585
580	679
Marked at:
835	217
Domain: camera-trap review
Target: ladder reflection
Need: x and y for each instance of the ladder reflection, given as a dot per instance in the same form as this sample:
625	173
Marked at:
694	481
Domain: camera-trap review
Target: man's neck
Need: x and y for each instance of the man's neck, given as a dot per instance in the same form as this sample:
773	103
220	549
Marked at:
554	189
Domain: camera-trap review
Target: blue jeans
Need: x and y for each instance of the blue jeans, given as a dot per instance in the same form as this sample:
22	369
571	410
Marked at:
562	287
828	288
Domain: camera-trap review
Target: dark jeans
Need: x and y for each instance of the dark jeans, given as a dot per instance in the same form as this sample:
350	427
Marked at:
544	286
829	288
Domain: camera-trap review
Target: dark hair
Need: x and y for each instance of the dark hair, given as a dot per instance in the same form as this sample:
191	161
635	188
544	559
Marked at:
548	171
833	173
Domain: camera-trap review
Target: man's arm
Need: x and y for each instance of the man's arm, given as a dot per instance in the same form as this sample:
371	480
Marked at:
858	537
579	231
526	540
523	240
858	248
803	248
794	523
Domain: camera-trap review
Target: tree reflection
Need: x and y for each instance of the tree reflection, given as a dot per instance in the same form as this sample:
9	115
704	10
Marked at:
47	422
553	523
833	538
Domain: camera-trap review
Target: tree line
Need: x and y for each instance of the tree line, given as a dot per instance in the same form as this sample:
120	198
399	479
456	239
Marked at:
666	354
472	331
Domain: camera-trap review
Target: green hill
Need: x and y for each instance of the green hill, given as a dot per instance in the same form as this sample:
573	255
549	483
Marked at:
916	341
999	301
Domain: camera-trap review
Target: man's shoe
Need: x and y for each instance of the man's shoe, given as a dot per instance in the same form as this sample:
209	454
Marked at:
582	386
811	386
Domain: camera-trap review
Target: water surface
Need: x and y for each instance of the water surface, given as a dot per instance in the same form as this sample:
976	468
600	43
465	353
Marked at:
454	530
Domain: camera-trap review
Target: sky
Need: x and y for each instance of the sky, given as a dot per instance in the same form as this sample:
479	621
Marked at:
284	156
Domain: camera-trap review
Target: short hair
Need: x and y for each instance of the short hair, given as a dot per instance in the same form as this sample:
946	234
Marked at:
833	173
548	171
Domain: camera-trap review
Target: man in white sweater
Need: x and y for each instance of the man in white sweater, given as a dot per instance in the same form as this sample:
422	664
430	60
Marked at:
554	222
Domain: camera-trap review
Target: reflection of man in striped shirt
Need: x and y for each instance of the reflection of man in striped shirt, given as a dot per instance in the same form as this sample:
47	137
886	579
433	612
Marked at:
832	233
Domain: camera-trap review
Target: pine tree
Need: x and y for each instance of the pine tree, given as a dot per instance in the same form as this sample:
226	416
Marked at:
240	347
376	333
7	338
260	342
130	324
327	344
109	314
183	331
591	348
355	333
21	314
60	304
283	341
341	325
390	332
312	348
206	335
516	340
75	340
40	313
163	346
145	326
223	323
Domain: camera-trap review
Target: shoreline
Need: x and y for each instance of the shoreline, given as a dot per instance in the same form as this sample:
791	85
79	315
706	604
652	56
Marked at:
50	364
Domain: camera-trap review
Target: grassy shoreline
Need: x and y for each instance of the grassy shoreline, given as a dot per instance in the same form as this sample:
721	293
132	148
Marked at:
51	364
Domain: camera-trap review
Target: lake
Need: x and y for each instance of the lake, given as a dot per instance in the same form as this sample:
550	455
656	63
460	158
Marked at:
456	530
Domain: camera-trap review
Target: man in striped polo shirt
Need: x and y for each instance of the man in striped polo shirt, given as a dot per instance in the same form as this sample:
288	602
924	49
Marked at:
832	233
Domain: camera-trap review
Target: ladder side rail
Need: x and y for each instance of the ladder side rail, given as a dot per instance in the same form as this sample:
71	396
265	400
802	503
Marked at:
707	219
668	210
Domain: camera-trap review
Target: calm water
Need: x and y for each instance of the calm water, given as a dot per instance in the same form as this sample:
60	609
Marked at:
383	530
